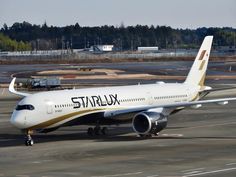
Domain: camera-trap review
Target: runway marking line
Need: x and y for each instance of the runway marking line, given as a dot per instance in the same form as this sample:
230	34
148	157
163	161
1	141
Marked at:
124	174
229	164
176	135
193	172
214	125
36	162
210	172
153	176
194	169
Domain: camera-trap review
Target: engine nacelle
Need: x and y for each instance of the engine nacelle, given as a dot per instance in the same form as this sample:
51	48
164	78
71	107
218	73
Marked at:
149	123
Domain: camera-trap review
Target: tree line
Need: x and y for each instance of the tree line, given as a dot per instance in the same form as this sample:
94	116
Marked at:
44	37
7	44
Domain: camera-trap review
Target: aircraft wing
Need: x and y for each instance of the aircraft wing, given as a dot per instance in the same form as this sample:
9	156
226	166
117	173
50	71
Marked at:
12	89
217	89
222	101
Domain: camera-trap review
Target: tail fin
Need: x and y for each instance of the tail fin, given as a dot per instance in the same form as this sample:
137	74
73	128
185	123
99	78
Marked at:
196	75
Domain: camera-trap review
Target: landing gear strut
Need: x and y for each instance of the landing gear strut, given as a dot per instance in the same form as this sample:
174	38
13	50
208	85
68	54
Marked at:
97	131
28	139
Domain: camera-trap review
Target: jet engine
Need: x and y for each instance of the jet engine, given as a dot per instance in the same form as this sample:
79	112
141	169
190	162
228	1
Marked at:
145	123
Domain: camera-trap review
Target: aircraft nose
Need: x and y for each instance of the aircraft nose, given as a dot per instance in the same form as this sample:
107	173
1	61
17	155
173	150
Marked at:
17	120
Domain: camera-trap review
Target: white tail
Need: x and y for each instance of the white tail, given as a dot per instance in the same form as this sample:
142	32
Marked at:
196	75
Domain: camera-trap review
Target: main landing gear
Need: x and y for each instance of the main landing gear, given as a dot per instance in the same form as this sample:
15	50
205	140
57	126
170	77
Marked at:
28	139
97	131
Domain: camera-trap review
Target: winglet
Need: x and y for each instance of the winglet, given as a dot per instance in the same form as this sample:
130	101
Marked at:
12	89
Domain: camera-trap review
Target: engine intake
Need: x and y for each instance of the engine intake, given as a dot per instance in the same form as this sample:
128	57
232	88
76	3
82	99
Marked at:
149	122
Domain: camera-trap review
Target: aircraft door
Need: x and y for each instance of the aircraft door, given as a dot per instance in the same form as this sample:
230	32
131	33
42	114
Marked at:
149	98
49	107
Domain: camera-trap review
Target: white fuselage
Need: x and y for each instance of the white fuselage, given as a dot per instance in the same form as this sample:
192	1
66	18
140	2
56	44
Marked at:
56	108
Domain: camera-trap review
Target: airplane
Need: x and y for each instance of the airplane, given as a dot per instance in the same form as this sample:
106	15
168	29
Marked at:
147	107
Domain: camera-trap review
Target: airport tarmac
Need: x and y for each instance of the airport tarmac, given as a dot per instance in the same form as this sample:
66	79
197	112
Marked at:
199	142
171	68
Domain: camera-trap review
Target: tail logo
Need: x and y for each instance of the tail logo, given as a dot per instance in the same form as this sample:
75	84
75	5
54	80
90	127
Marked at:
202	65
202	55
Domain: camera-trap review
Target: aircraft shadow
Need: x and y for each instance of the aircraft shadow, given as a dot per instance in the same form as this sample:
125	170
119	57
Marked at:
10	140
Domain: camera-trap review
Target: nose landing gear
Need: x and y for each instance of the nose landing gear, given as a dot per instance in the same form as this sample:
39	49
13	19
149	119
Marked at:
28	139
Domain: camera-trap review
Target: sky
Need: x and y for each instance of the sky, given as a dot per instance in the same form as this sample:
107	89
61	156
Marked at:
175	13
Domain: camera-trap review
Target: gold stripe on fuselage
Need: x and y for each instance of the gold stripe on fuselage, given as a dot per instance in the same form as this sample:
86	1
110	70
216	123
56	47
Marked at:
61	118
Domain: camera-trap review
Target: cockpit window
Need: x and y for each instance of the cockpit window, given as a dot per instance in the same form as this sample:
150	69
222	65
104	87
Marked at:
25	107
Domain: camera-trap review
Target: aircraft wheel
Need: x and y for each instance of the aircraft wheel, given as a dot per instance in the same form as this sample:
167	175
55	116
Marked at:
104	130
90	131
141	135
156	134
29	142
26	142
145	135
97	130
